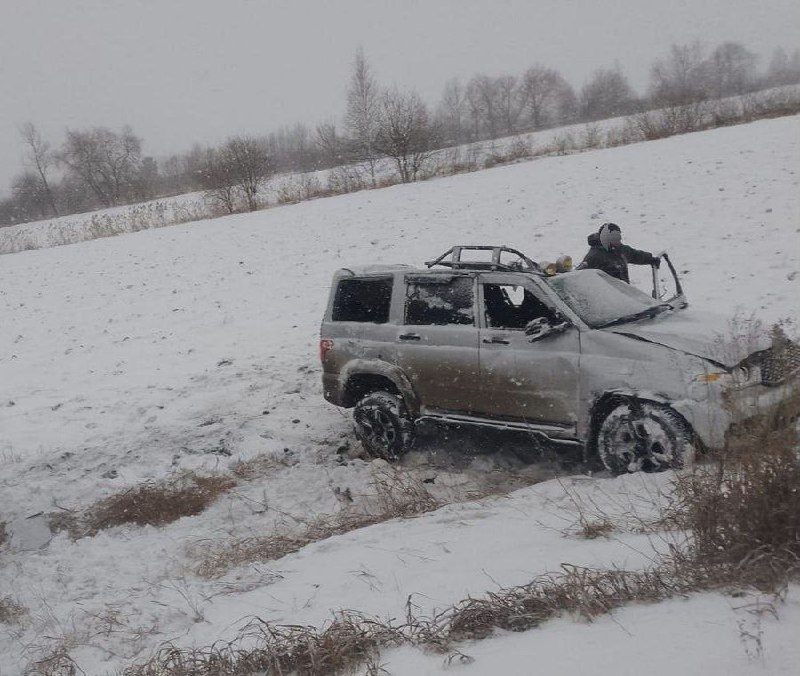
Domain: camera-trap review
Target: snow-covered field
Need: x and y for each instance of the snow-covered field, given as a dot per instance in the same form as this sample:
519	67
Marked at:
193	347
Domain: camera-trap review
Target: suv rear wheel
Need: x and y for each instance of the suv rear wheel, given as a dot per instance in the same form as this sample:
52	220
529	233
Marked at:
640	435
383	425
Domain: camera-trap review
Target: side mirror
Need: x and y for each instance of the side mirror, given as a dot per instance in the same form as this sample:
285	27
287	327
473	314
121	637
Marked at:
541	327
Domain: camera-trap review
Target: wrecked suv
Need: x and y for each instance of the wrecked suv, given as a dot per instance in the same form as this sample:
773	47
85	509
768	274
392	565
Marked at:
484	336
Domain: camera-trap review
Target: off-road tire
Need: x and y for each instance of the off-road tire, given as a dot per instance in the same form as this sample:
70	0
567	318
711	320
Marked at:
383	425
641	435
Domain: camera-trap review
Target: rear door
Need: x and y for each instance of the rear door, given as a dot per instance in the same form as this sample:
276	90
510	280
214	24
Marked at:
527	381
436	345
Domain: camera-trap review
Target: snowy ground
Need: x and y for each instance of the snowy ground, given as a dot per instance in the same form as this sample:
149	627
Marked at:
193	347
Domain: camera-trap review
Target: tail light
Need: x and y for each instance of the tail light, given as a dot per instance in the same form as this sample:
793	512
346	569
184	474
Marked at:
324	347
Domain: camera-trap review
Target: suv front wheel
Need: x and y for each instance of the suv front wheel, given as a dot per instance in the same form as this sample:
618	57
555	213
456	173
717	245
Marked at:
383	425
639	435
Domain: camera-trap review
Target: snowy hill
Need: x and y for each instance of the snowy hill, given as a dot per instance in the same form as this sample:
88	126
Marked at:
193	348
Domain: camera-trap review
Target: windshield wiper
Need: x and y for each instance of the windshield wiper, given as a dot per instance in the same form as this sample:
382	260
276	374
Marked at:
642	314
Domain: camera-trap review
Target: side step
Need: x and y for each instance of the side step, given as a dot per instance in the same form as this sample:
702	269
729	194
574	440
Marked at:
552	433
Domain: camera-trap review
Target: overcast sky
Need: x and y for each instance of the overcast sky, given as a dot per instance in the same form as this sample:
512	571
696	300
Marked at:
185	71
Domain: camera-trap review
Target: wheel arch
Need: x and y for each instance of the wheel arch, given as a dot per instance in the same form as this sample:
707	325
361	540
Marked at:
608	401
364	378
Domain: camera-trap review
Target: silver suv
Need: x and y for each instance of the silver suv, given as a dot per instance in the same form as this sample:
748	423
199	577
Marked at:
484	336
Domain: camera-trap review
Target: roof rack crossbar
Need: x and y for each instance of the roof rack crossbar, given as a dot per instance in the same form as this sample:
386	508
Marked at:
525	264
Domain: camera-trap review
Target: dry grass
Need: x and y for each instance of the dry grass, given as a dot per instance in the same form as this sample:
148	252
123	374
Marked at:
3	533
57	663
350	640
584	592
396	495
260	466
152	503
743	509
596	528
10	610
353	640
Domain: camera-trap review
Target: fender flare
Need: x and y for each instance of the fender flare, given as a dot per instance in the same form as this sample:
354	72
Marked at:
390	372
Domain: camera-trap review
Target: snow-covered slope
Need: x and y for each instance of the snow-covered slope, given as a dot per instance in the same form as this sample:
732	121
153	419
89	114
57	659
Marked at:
192	347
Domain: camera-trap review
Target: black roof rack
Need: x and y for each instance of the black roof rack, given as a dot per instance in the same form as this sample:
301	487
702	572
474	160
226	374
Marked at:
523	264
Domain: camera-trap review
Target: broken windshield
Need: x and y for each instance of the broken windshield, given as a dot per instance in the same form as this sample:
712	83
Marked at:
600	300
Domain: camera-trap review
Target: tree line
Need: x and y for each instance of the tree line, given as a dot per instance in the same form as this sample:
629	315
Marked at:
99	167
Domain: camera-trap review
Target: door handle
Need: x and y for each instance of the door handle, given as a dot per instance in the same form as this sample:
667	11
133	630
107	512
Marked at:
409	336
496	341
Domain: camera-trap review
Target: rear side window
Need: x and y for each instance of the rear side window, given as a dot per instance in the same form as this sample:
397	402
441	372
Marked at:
449	301
363	300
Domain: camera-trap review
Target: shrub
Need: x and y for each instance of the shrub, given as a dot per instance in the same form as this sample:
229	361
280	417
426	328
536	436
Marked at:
591	137
743	509
300	188
563	144
345	178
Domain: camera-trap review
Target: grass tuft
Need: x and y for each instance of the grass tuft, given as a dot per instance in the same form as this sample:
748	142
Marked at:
10	610
148	504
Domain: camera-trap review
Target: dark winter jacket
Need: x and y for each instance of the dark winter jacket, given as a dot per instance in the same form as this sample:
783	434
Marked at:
614	262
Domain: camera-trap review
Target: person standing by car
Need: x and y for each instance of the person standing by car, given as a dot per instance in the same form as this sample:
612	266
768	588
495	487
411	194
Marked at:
609	254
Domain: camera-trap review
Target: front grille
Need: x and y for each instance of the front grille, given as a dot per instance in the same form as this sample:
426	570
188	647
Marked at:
780	363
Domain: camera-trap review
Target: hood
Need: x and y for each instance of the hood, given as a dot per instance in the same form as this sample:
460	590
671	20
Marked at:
594	239
708	335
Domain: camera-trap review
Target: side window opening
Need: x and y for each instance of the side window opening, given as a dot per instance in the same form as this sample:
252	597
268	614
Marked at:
449	301
363	300
508	306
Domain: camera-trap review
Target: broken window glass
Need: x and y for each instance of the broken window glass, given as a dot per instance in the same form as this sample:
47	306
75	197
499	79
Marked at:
509	306
449	301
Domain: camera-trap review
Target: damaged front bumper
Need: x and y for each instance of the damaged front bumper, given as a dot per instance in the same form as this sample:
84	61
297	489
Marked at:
715	409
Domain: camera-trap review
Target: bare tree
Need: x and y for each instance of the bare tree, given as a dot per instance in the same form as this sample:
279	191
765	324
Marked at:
544	93
475	109
682	78
106	161
329	144
29	194
217	178
510	102
486	93
783	69
249	164
405	132
452	111
363	112
148	180
606	94
41	158
293	148
731	70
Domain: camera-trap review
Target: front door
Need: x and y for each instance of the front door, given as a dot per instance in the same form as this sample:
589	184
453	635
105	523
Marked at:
525	380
